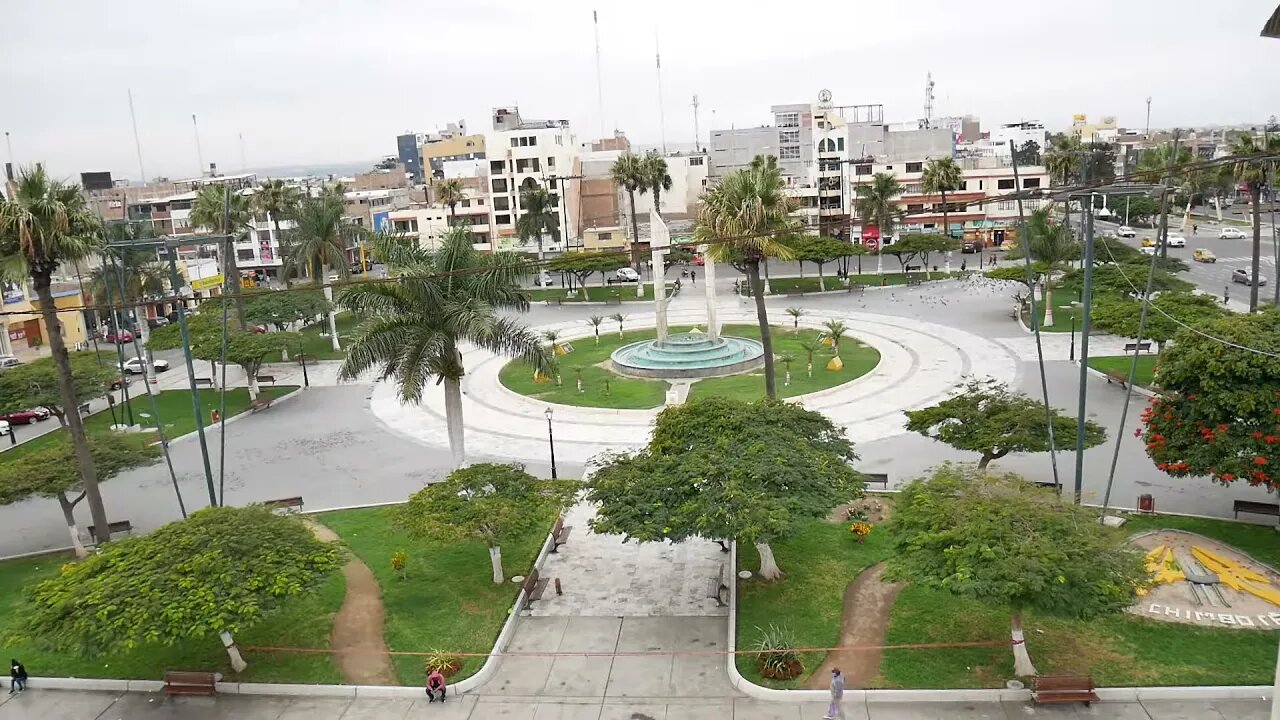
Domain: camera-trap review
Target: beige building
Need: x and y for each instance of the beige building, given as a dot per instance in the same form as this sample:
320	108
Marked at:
25	334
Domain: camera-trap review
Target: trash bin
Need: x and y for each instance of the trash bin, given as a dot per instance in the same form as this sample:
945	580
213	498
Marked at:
1146	503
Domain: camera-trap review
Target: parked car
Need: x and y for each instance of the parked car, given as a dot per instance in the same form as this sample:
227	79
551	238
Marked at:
8	361
157	322
543	279
699	260
4	428
1126	232
625	275
1231	233
134	366
970	246
1148	242
1244	277
25	417
118	336
118	383
1204	256
1147	249
1177	241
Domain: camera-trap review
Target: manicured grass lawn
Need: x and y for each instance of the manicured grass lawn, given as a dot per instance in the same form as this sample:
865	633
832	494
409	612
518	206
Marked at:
321	348
304	622
859	359
782	286
449	601
1062	313
1146	373
175	410
587	357
595	293
820	561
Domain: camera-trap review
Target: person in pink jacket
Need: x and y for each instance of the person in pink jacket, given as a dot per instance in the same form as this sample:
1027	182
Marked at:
435	684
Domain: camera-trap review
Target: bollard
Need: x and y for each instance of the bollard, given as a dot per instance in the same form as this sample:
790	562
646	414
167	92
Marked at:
558	590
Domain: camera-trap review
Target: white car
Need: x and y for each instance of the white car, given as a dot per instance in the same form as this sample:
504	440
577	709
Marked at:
4	427
625	275
1147	249
1126	231
543	279
134	366
1177	241
1231	233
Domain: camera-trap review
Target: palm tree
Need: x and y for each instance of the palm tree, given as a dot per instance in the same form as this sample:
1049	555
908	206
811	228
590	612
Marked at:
141	272
1252	174
629	173
450	193
877	205
740	221
809	350
795	314
319	243
941	175
225	212
444	298
539	216
1052	249
618	318
656	177
594	321
1062	159
835	330
44	223
279	200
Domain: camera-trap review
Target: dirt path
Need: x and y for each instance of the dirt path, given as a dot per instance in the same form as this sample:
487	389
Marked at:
357	628
867	603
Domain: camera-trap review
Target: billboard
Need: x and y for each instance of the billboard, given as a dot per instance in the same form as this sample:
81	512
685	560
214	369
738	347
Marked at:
382	221
207	283
95	180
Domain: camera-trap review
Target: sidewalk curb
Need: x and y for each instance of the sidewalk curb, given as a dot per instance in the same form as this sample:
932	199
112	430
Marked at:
1103	376
845	290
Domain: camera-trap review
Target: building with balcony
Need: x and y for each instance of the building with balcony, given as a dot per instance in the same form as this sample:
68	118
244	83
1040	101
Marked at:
524	154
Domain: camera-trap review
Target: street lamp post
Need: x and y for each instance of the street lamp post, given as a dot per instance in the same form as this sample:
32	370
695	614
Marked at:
551	442
1072	355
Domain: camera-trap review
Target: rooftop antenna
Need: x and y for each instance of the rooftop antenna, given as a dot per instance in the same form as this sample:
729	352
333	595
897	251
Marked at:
696	137
662	115
8	143
137	144
928	100
199	152
595	21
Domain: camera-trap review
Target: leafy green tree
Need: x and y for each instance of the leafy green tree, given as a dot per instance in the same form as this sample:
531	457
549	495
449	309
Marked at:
43	224
582	264
280	201
1169	311
248	350
319	243
225	212
450	193
629	173
36	384
796	313
415	328
942	175
281	309
820	251
1125	279
1253	175
1028	154
656	176
922	245
50	471
1053	250
987	417
719	468
1217	416
539	218
1139	209
1000	540
740	221
220	571
494	503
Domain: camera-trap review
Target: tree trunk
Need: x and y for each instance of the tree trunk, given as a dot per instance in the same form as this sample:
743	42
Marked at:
495	559
140	313
237	663
1255	199
231	282
453	419
768	566
986	460
946	222
766	334
68	514
1218	205
635	246
822	282
810	368
1022	666
1046	296
333	311
252	377
66	389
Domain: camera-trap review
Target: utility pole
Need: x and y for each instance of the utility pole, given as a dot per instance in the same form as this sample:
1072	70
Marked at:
175	281
662	114
595	22
137	144
199	152
697	141
1148	131
1087	300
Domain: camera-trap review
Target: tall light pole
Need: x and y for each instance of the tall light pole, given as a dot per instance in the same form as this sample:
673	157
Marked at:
551	442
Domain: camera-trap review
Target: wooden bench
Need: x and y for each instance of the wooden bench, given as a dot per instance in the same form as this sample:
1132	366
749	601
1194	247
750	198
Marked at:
1055	689
554	301
613	301
879	480
84	408
118	526
857	288
202	381
260	403
289	503
1143	346
533	587
560	534
266	379
717	586
190	682
1256	508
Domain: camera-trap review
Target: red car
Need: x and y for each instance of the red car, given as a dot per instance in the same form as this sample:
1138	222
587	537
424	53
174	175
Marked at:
124	336
25	417
699	260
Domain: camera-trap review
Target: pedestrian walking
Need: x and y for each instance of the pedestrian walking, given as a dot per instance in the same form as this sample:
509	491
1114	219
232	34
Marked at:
837	694
18	674
1226	294
962	264
693	277
1195	229
435	686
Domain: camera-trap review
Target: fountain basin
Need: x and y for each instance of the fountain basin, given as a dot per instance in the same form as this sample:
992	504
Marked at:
687	355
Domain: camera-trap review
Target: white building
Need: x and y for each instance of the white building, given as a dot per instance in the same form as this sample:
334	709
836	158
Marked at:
1020	133
426	224
688	181
525	154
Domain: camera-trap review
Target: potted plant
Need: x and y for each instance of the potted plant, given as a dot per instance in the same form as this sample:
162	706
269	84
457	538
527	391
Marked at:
776	654
447	663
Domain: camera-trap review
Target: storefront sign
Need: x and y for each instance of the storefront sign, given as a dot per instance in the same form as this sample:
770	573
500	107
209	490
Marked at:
207	283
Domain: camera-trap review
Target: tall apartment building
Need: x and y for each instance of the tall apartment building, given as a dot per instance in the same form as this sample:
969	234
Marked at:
525	154
423	155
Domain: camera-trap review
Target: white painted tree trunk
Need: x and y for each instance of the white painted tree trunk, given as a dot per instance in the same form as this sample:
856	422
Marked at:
1046	296
495	559
768	566
1022	666
68	514
1218	206
253	385
144	332
453	419
237	662
1186	218
810	368
333	312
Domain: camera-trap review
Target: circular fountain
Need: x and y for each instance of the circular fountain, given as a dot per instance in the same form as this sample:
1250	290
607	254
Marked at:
688	355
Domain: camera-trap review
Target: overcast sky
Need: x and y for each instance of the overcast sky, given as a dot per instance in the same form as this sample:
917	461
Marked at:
325	81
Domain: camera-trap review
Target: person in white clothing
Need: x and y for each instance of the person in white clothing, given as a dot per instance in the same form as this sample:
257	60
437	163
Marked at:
837	694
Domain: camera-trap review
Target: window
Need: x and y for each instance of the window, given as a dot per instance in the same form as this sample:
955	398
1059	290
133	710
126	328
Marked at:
551	183
499	185
479	201
558	140
791	119
502	219
244	254
466	203
695	162
789	153
1006	184
410	225
840	144
914	167
789	137
1031	182
980	184
1006	205
533	140
861	169
515	142
502	203
604	236
915	208
913	189
497	167
551	162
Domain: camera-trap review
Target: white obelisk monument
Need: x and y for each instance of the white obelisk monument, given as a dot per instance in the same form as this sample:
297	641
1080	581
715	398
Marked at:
709	280
659	242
